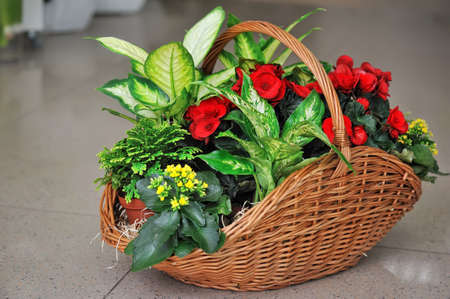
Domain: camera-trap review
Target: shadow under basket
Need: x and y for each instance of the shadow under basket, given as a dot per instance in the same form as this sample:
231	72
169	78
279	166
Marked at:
319	221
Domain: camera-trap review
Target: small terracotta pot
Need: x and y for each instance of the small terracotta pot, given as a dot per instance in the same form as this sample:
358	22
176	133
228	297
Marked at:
136	209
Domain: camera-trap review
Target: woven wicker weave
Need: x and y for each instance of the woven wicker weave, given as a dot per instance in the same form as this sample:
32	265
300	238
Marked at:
321	220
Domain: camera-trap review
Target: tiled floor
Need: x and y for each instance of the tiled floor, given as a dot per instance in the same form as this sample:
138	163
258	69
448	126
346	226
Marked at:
51	127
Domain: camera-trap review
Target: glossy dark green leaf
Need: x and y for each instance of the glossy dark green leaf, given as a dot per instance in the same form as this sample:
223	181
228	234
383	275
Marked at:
242	121
156	240
405	155
222	239
207	237
422	155
311	109
369	123
214	190
149	196
379	108
223	206
184	248
226	163
194	212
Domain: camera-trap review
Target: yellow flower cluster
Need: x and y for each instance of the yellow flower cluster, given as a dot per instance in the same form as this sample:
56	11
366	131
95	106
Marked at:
177	203
419	126
418	133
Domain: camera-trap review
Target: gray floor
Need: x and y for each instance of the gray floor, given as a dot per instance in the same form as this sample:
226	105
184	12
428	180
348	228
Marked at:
51	128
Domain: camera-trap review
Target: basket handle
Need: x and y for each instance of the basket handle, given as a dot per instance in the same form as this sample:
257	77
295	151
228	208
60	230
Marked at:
341	139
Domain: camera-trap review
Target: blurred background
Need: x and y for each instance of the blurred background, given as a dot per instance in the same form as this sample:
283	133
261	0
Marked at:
52	126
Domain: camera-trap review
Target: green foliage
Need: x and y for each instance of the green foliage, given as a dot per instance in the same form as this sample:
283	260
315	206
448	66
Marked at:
186	206
145	149
269	153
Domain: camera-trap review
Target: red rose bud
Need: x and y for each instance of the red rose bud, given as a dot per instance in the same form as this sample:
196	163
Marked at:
359	135
345	59
367	82
344	77
314	85
387	76
201	129
383	89
397	121
364	102
301	91
394	133
332	76
237	86
366	66
327	127
270	68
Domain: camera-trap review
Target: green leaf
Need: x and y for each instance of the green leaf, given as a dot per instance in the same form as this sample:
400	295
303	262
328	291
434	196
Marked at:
252	148
422	155
149	196
214	190
244	43
246	126
121	115
184	248
226	163
118	89
405	155
182	101
137	68
156	240
287	170
311	109
193	211
139	168
171	68
285	54
379	108
207	237
200	38
122	47
272	44
222	239
147	92
309	129
369	123
216	79
129	249
228	60
224	205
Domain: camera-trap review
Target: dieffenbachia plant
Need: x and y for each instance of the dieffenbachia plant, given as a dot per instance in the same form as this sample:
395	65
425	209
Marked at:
160	86
273	152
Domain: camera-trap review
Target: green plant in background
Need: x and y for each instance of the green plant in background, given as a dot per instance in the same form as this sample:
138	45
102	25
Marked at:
416	148
146	148
186	206
272	153
10	14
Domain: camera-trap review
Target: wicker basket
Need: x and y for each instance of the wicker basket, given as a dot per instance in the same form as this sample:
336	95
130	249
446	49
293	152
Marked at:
321	220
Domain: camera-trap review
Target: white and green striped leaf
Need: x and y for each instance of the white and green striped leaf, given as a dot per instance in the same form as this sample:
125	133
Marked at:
228	60
137	67
285	54
122	47
271	45
200	38
245	45
171	68
118	89
216	79
148	93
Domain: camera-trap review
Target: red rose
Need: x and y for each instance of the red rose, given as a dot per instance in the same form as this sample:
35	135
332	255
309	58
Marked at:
214	107
202	128
364	102
327	127
345	59
387	76
383	89
397	121
301	91
268	83
344	77
333	79
359	135
367	81
314	85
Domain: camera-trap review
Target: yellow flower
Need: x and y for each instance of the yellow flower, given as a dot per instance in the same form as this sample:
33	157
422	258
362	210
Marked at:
184	174
175	205
435	151
170	168
160	189
174	174
189	184
161	198
180	184
178	167
187	168
204	185
191	176
183	200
